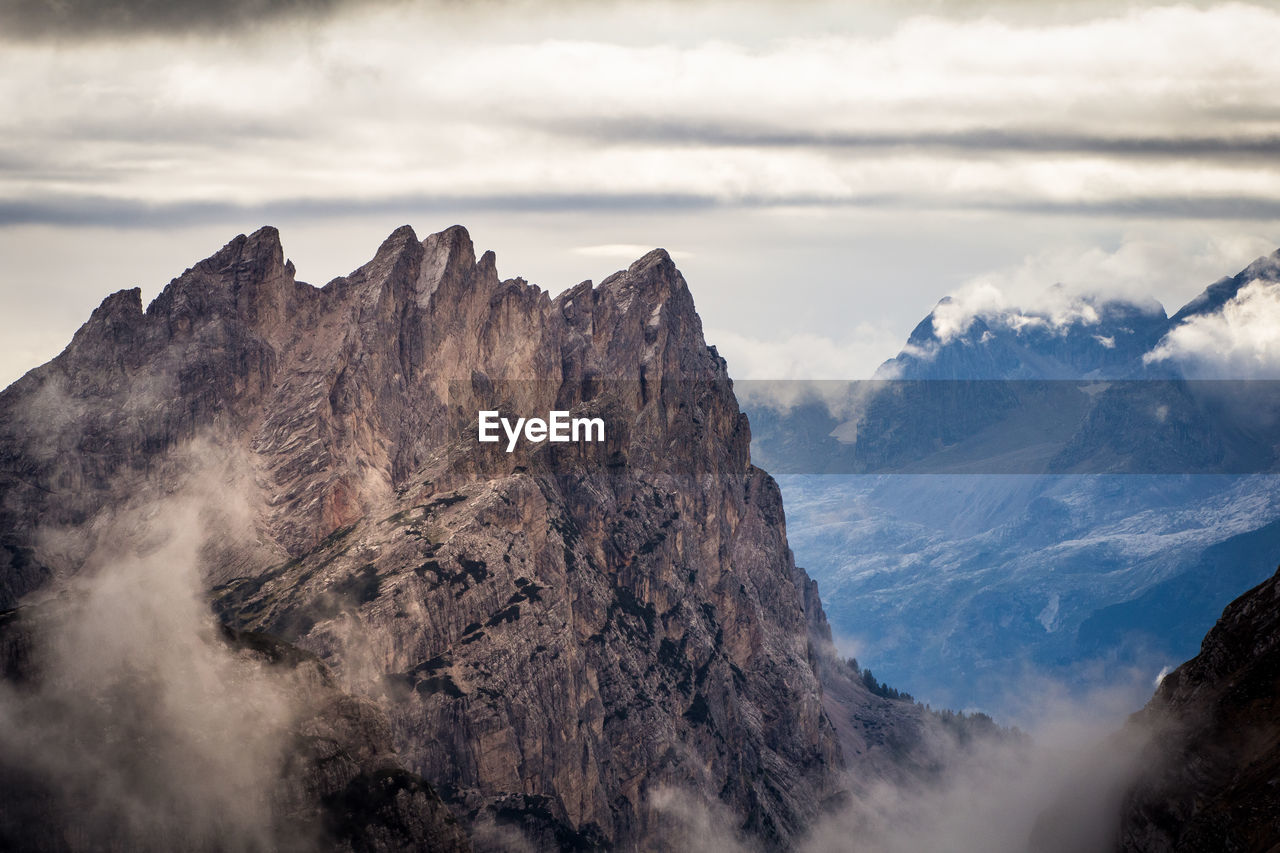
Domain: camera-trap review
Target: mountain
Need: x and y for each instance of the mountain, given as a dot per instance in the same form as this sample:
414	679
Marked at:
1214	297
1033	496
1209	773
1095	339
1090	386
1079	337
576	645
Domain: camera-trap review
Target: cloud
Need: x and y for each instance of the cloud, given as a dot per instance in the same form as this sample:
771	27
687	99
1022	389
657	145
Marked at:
993	794
688	822
1241	341
123	18
983	140
1062	286
623	251
136	213
824	107
129	212
804	355
141	729
83	18
992	791
568	114
972	789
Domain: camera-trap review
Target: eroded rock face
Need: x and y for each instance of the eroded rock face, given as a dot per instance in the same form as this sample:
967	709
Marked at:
1212	768
556	635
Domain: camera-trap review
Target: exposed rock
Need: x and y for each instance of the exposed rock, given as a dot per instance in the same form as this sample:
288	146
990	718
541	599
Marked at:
556	635
1214	763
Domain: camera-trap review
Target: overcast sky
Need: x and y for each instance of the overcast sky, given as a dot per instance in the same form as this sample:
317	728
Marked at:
823	173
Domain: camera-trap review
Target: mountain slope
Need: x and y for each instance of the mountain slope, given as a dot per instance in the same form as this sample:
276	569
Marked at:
1030	499
558	634
1218	294
1211	771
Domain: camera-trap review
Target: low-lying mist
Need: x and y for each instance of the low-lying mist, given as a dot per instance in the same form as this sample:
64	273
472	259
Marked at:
1057	787
134	726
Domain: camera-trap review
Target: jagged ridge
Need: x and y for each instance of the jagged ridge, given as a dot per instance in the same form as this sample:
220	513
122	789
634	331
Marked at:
556	634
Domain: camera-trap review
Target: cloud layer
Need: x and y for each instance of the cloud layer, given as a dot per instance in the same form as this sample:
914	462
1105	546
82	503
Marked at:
1156	111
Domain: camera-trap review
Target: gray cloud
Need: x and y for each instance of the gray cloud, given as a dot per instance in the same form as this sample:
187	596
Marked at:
87	18
81	19
412	107
133	213
129	213
1154	207
983	141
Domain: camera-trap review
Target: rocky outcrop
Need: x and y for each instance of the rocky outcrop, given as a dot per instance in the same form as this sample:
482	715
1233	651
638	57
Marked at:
557	635
1213	764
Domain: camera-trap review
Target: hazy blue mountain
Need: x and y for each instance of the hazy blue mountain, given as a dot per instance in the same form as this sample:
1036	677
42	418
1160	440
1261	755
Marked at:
960	587
1216	295
1099	340
1025	499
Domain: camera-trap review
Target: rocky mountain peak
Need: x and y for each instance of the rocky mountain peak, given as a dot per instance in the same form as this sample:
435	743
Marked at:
450	259
654	298
1265	268
244	261
558	634
114	320
247	284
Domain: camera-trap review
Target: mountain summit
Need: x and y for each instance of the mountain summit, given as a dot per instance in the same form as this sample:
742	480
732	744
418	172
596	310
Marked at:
1078	337
561	638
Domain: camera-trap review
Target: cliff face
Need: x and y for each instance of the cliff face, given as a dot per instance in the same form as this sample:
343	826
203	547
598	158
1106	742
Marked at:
1211	771
557	635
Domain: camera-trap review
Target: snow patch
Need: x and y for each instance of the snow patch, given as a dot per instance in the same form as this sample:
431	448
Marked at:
1049	615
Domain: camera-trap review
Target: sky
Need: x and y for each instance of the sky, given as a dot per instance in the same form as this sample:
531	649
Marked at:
823	173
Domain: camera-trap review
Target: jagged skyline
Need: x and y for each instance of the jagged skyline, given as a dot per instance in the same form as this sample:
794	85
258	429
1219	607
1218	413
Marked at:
824	172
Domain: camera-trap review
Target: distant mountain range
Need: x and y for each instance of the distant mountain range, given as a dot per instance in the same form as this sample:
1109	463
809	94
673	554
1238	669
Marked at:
1082	337
1064	493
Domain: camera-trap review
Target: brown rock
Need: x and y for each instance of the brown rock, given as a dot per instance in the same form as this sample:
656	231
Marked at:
555	634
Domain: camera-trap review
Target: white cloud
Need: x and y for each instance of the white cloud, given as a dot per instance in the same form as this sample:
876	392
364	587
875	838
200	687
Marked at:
990	793
419	100
1061	286
805	355
624	251
145	725
1242	341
